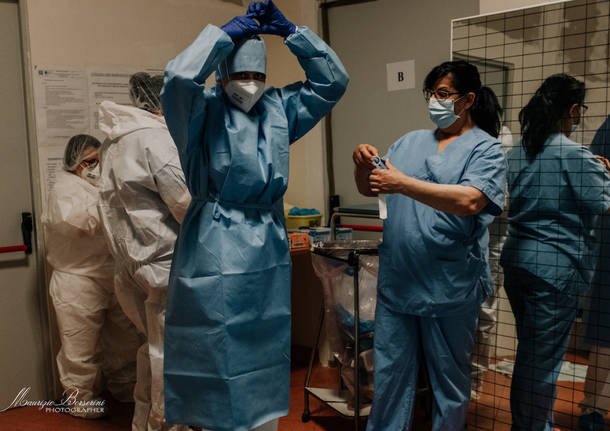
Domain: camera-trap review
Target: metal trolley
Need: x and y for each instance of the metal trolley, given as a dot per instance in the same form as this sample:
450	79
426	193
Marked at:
348	252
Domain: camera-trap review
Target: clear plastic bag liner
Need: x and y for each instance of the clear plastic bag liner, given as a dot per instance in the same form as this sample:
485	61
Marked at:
330	263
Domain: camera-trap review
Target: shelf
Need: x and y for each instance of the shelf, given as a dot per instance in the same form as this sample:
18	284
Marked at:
362	209
338	401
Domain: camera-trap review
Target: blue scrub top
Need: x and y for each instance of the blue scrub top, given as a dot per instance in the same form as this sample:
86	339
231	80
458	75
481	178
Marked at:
601	146
556	200
433	263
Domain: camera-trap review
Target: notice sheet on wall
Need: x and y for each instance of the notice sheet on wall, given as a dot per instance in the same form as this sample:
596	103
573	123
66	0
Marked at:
62	104
66	104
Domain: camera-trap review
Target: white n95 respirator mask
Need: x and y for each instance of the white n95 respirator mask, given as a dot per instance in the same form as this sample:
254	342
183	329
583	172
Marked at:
91	174
244	93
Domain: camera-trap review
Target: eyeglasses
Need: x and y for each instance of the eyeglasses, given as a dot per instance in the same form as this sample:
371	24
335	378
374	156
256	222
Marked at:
584	109
438	94
91	163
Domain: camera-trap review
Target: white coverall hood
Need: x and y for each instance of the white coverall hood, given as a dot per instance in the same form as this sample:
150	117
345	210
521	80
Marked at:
118	120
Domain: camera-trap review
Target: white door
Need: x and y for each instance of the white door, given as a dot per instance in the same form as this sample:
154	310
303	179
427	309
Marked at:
23	355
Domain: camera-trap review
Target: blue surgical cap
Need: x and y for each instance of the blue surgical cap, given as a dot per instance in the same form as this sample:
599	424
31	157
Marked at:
249	56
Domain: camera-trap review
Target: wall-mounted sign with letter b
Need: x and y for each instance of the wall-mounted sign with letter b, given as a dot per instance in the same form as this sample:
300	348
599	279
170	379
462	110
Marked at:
401	75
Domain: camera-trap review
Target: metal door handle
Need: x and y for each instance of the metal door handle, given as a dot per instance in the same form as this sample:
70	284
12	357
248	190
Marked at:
26	231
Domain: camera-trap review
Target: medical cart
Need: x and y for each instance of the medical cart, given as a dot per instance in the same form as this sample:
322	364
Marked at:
348	252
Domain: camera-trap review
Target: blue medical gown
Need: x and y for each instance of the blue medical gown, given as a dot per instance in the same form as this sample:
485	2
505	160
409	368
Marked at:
598	321
227	330
432	263
556	200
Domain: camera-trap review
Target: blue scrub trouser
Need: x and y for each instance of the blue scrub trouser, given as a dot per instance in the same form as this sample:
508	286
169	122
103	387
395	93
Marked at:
400	342
543	316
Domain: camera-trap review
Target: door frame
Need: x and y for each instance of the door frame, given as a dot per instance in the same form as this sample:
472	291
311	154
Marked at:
47	318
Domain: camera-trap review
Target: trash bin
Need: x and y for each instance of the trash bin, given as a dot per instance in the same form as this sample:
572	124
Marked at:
336	263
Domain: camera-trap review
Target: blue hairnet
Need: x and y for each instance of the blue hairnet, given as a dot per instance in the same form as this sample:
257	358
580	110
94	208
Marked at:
249	56
145	91
74	153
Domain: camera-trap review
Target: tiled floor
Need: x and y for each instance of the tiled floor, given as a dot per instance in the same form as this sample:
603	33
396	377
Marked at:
490	413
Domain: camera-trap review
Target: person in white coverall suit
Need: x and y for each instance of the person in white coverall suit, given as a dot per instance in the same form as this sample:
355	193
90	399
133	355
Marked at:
96	337
143	201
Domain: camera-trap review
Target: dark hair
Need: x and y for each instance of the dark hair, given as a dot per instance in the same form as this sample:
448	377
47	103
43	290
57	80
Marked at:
543	113
486	109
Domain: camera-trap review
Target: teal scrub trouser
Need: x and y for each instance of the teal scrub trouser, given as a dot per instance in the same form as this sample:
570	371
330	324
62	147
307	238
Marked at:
543	317
400	342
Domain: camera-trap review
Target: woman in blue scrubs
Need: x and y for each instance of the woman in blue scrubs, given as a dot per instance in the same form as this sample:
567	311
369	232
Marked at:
444	187
558	190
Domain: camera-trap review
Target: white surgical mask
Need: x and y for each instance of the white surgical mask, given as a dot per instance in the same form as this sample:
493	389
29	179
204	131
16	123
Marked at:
441	112
244	93
91	174
574	127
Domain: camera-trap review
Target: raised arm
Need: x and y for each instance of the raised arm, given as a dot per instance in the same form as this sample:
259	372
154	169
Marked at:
184	83
307	102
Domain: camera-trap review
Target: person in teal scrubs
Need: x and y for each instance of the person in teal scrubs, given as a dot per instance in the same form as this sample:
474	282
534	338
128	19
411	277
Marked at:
444	187
227	330
596	402
557	192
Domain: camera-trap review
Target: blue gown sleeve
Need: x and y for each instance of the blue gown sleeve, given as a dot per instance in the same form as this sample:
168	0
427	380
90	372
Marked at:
486	171
588	179
183	90
305	103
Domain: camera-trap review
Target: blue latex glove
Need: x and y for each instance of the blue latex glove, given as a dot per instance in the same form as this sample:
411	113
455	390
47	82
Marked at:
271	19
241	27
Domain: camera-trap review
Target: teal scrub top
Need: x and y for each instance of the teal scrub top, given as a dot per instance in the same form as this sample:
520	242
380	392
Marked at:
598	318
555	203
433	263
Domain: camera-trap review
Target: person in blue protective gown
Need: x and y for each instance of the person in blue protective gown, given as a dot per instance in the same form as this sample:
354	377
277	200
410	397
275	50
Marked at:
596	402
557	192
227	331
443	187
